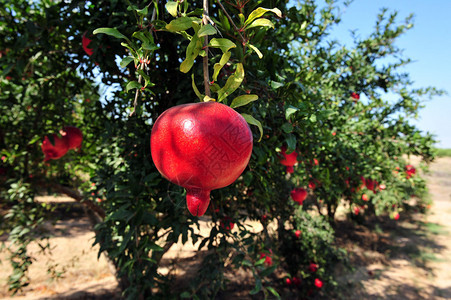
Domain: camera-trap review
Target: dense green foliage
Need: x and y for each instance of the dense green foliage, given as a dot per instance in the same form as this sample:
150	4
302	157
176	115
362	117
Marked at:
307	86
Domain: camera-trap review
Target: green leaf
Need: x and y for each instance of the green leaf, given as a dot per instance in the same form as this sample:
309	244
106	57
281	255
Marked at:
222	43
257	13
267	271
196	90
185	295
111	31
192	51
206	30
313	118
260	55
132	85
218	66
126	60
34	140
171	7
262	22
180	24
273	291
291	143
275	85
258	286
287	127
289	111
251	120
243	100
233	82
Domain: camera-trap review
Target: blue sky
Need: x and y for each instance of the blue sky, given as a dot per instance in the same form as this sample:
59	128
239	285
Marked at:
428	44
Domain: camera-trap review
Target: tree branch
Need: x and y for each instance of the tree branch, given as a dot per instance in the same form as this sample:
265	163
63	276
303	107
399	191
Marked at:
205	59
243	40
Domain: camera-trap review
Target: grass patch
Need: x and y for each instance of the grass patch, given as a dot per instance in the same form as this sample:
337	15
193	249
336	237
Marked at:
443	152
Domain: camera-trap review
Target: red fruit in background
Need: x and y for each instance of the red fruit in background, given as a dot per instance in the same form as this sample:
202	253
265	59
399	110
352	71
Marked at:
73	136
315	162
288	160
201	147
355	96
58	150
299	195
356	211
297	233
410	171
227	224
268	259
318	283
288	281
85	43
365	197
296	281
370	184
311	185
396	216
382	186
313	267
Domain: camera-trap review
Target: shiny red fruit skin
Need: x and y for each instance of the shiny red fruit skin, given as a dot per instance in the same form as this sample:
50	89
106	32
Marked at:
54	151
201	147
299	195
73	136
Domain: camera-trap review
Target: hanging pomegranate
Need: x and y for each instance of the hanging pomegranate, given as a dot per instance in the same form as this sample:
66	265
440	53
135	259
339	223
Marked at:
299	195
288	160
73	136
58	150
201	147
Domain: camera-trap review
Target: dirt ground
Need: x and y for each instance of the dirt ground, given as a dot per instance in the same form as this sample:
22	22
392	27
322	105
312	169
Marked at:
405	259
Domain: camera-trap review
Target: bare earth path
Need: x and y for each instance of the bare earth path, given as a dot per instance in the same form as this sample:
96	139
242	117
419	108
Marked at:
405	259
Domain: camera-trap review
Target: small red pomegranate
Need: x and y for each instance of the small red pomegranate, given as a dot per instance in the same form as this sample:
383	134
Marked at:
85	43
299	195
56	151
201	147
227	224
73	136
355	96
288	160
410	171
313	267
318	283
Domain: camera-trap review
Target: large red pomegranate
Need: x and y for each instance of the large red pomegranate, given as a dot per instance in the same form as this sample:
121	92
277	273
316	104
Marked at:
73	136
58	150
201	147
288	160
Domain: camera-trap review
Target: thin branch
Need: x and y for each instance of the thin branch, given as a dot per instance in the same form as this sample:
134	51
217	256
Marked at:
74	195
205	59
243	40
135	103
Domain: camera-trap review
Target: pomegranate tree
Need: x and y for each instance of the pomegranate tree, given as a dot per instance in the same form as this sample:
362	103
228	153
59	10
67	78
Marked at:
201	147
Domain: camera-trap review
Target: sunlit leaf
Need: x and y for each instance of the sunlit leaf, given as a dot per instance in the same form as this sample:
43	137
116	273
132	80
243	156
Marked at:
243	100
251	120
260	11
